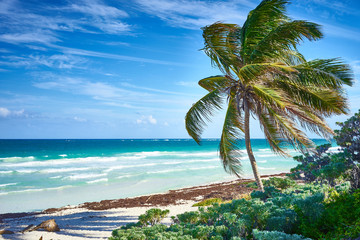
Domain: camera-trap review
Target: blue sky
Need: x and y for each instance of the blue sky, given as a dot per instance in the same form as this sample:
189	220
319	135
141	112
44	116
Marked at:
129	69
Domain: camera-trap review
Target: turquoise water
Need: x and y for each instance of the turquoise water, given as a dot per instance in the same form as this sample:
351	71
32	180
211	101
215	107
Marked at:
39	174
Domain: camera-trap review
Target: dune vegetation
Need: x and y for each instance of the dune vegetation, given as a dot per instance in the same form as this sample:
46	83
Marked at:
265	76
325	204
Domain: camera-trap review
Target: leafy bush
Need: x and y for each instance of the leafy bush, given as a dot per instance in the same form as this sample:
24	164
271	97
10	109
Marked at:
152	216
348	136
342	216
301	210
208	202
275	235
280	183
322	166
334	168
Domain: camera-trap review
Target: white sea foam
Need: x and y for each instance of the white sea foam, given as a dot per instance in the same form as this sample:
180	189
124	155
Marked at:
63	155
334	150
262	161
264	168
7	184
68	161
265	155
36	190
26	171
57	170
201	168
55	177
84	176
168	171
130	166
264	149
127	176
202	160
17	159
6	172
98	180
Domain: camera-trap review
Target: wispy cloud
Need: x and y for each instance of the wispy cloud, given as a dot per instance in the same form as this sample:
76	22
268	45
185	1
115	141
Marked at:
42	37
41	25
146	120
195	14
59	61
96	8
81	52
110	95
6	113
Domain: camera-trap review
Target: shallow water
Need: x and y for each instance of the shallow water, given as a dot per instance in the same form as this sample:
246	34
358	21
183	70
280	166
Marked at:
39	174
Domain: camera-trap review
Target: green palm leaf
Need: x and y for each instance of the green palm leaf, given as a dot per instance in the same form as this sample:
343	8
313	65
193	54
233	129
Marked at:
283	39
268	15
232	129
200	112
221	45
214	82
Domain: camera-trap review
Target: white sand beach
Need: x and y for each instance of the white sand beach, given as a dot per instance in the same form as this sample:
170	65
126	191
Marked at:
80	223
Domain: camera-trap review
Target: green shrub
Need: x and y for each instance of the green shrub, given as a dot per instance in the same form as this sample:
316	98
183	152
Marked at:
342	216
275	235
152	216
208	202
311	210
281	183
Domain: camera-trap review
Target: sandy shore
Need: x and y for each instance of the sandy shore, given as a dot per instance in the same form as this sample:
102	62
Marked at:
96	220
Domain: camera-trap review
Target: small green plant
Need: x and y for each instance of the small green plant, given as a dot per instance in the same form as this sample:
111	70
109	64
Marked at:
275	235
208	202
152	216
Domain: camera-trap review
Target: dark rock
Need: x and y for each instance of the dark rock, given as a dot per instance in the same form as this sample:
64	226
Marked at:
4	231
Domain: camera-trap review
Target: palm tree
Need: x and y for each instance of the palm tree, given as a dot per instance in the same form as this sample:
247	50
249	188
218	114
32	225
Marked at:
265	76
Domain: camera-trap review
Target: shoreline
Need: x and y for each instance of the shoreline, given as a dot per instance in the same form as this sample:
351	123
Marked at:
121	211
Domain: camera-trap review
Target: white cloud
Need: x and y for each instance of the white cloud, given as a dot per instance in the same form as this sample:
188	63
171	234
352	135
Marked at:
81	52
97	8
146	120
195	14
61	61
6	113
152	120
41	25
44	37
78	119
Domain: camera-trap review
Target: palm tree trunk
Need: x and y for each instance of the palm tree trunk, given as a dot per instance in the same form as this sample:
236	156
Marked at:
249	149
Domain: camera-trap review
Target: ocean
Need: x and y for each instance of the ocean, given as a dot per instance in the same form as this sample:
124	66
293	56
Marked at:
40	174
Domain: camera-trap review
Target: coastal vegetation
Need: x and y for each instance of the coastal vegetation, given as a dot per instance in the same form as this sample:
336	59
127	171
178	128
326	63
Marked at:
266	77
327	206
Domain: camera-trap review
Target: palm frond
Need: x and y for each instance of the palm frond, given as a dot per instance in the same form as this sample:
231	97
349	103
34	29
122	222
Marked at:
332	73
200	112
214	82
268	15
325	101
252	72
284	38
270	129
273	96
232	131
221	44
289	130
